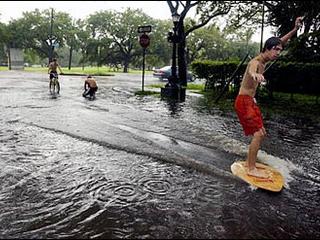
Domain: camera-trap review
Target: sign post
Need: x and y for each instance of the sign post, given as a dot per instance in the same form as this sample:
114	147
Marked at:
144	41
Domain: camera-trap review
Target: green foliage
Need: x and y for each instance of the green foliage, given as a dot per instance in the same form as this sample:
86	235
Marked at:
216	73
214	44
34	28
118	35
3	40
305	48
294	77
286	77
111	38
31	57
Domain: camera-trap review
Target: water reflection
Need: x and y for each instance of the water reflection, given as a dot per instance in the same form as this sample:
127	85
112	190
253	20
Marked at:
174	107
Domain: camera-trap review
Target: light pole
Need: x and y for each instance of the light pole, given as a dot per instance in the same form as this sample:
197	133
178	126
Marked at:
175	19
172	90
262	25
51	37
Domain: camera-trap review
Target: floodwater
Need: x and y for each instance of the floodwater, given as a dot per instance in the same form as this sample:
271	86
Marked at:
126	166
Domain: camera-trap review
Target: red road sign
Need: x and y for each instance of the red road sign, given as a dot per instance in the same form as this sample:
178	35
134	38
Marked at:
144	40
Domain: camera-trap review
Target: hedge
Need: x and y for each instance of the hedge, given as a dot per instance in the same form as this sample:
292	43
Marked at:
284	77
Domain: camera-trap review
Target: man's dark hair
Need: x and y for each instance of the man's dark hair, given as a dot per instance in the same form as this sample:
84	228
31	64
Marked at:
54	59
271	42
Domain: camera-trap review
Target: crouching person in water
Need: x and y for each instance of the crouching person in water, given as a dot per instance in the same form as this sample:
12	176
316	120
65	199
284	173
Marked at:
90	87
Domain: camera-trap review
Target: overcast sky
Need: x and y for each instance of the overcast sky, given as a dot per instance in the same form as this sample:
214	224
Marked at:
81	9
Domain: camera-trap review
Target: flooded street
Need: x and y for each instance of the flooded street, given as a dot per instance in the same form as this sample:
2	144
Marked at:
126	166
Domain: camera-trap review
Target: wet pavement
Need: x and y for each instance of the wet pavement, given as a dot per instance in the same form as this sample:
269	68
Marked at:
126	166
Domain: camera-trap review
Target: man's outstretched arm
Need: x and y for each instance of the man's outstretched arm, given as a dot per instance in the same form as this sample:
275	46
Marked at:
297	25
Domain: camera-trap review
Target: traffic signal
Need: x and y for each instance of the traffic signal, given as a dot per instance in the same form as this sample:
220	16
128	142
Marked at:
170	37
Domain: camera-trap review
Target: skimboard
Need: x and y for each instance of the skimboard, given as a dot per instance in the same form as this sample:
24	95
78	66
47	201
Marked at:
273	183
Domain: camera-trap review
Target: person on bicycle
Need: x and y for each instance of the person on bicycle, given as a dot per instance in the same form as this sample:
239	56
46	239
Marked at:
53	68
90	87
53	71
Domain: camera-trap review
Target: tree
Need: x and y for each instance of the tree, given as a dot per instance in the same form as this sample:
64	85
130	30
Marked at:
207	43
4	37
306	48
121	29
83	35
282	14
33	30
208	10
72	39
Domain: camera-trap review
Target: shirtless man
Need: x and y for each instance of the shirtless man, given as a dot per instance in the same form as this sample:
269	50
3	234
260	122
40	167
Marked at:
53	68
245	104
90	87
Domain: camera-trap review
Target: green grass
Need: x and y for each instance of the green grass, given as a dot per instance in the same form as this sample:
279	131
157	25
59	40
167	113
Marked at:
2	68
96	71
158	85
197	88
194	86
190	86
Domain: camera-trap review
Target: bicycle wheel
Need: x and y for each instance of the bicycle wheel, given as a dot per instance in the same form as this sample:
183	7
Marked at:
57	86
51	86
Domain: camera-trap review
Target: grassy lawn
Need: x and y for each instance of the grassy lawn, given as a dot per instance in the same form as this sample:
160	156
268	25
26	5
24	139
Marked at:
2	68
96	71
191	86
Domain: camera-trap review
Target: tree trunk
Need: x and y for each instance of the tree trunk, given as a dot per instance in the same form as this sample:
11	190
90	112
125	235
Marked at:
70	57
126	64
9	57
182	66
125	67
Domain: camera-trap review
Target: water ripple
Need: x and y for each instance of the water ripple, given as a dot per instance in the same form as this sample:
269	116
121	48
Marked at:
156	186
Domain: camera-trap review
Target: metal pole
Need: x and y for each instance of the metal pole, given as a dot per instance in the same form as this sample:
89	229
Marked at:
51	30
262	25
143	67
98	63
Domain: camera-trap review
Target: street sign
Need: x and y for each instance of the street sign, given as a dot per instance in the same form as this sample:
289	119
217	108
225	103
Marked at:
144	29
144	40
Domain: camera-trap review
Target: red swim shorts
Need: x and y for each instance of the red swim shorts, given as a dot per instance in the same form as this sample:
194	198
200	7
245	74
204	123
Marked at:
249	114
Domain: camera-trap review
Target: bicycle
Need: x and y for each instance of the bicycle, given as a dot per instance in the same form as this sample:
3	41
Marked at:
54	85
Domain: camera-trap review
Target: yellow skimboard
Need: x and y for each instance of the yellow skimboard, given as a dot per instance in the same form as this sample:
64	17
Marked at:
273	183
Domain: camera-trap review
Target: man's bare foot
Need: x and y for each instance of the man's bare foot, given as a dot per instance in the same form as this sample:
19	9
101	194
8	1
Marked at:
258	173
246	166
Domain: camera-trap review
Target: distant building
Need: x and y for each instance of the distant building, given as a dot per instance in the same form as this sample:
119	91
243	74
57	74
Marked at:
16	60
